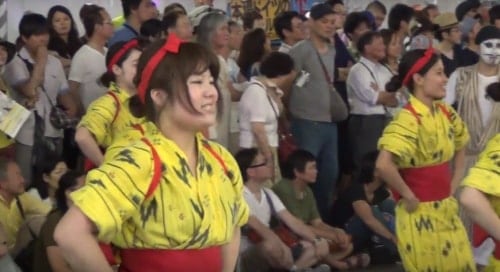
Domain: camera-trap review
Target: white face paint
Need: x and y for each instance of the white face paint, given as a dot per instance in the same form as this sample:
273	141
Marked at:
490	51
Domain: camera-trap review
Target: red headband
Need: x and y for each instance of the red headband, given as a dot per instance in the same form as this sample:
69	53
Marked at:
125	48
171	46
421	62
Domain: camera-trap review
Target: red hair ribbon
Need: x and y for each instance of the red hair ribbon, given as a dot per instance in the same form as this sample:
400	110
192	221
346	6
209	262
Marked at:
421	62
172	45
125	48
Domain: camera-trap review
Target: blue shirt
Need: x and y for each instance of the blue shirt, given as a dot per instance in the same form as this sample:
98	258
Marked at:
123	34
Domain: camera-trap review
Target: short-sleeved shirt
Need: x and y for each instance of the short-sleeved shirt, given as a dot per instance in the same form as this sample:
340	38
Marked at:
55	83
432	142
87	67
256	106
11	218
184	212
343	209
107	117
123	34
45	240
304	208
485	175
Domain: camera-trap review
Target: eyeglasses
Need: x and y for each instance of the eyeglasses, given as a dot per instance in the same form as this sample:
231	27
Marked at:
258	165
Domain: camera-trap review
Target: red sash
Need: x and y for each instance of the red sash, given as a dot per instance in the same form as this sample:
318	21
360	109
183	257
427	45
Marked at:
479	235
430	183
188	260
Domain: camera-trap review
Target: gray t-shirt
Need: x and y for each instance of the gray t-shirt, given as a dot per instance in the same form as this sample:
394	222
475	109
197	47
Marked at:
312	100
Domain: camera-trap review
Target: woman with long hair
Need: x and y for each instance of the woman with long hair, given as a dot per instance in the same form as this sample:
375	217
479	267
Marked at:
254	47
48	255
64	39
422	159
172	201
109	117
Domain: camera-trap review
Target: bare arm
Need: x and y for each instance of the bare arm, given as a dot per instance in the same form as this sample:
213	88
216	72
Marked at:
364	211
56	259
264	232
478	207
230	252
458	169
259	131
75	236
297	226
89	146
74	90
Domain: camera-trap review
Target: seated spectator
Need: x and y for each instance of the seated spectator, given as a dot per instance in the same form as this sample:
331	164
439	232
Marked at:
136	12
48	256
266	208
178	22
18	224
47	182
366	209
254	47
300	171
261	107
253	20
152	30
6	262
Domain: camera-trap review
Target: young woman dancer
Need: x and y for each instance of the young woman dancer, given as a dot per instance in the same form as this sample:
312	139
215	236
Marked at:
172	201
422	160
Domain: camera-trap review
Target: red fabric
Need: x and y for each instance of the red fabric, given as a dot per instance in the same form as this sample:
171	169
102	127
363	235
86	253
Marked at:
188	260
430	183
107	250
88	165
479	235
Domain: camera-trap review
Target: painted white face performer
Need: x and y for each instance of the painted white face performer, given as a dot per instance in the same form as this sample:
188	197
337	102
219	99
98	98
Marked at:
490	51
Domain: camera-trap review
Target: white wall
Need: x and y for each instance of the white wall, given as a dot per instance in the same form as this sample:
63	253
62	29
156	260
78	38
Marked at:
16	8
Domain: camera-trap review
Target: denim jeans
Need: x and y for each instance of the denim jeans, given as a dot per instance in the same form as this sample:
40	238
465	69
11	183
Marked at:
320	138
362	234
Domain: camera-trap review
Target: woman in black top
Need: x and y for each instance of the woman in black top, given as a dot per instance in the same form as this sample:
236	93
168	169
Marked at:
366	210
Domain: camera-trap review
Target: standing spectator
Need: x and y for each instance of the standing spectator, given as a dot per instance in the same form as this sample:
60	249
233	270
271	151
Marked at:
214	33
252	20
469	28
495	16
236	34
290	29
254	47
89	61
356	24
47	179
12	194
399	19
174	7
261	107
152	30
379	11
312	104
431	11
136	12
48	255
7	53
449	38
468	8
368	98
393	50
39	82
198	3
64	39
178	22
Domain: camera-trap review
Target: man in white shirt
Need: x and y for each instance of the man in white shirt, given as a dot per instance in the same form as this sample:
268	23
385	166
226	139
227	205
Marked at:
290	27
367	98
89	62
38	81
264	206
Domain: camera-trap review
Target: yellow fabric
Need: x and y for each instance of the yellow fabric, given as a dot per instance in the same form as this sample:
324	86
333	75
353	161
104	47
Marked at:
493	266
123	140
185	212
433	238
99	117
118	21
5	141
10	216
432	142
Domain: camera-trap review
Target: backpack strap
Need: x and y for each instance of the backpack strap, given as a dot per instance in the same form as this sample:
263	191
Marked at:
156	169
118	106
23	215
